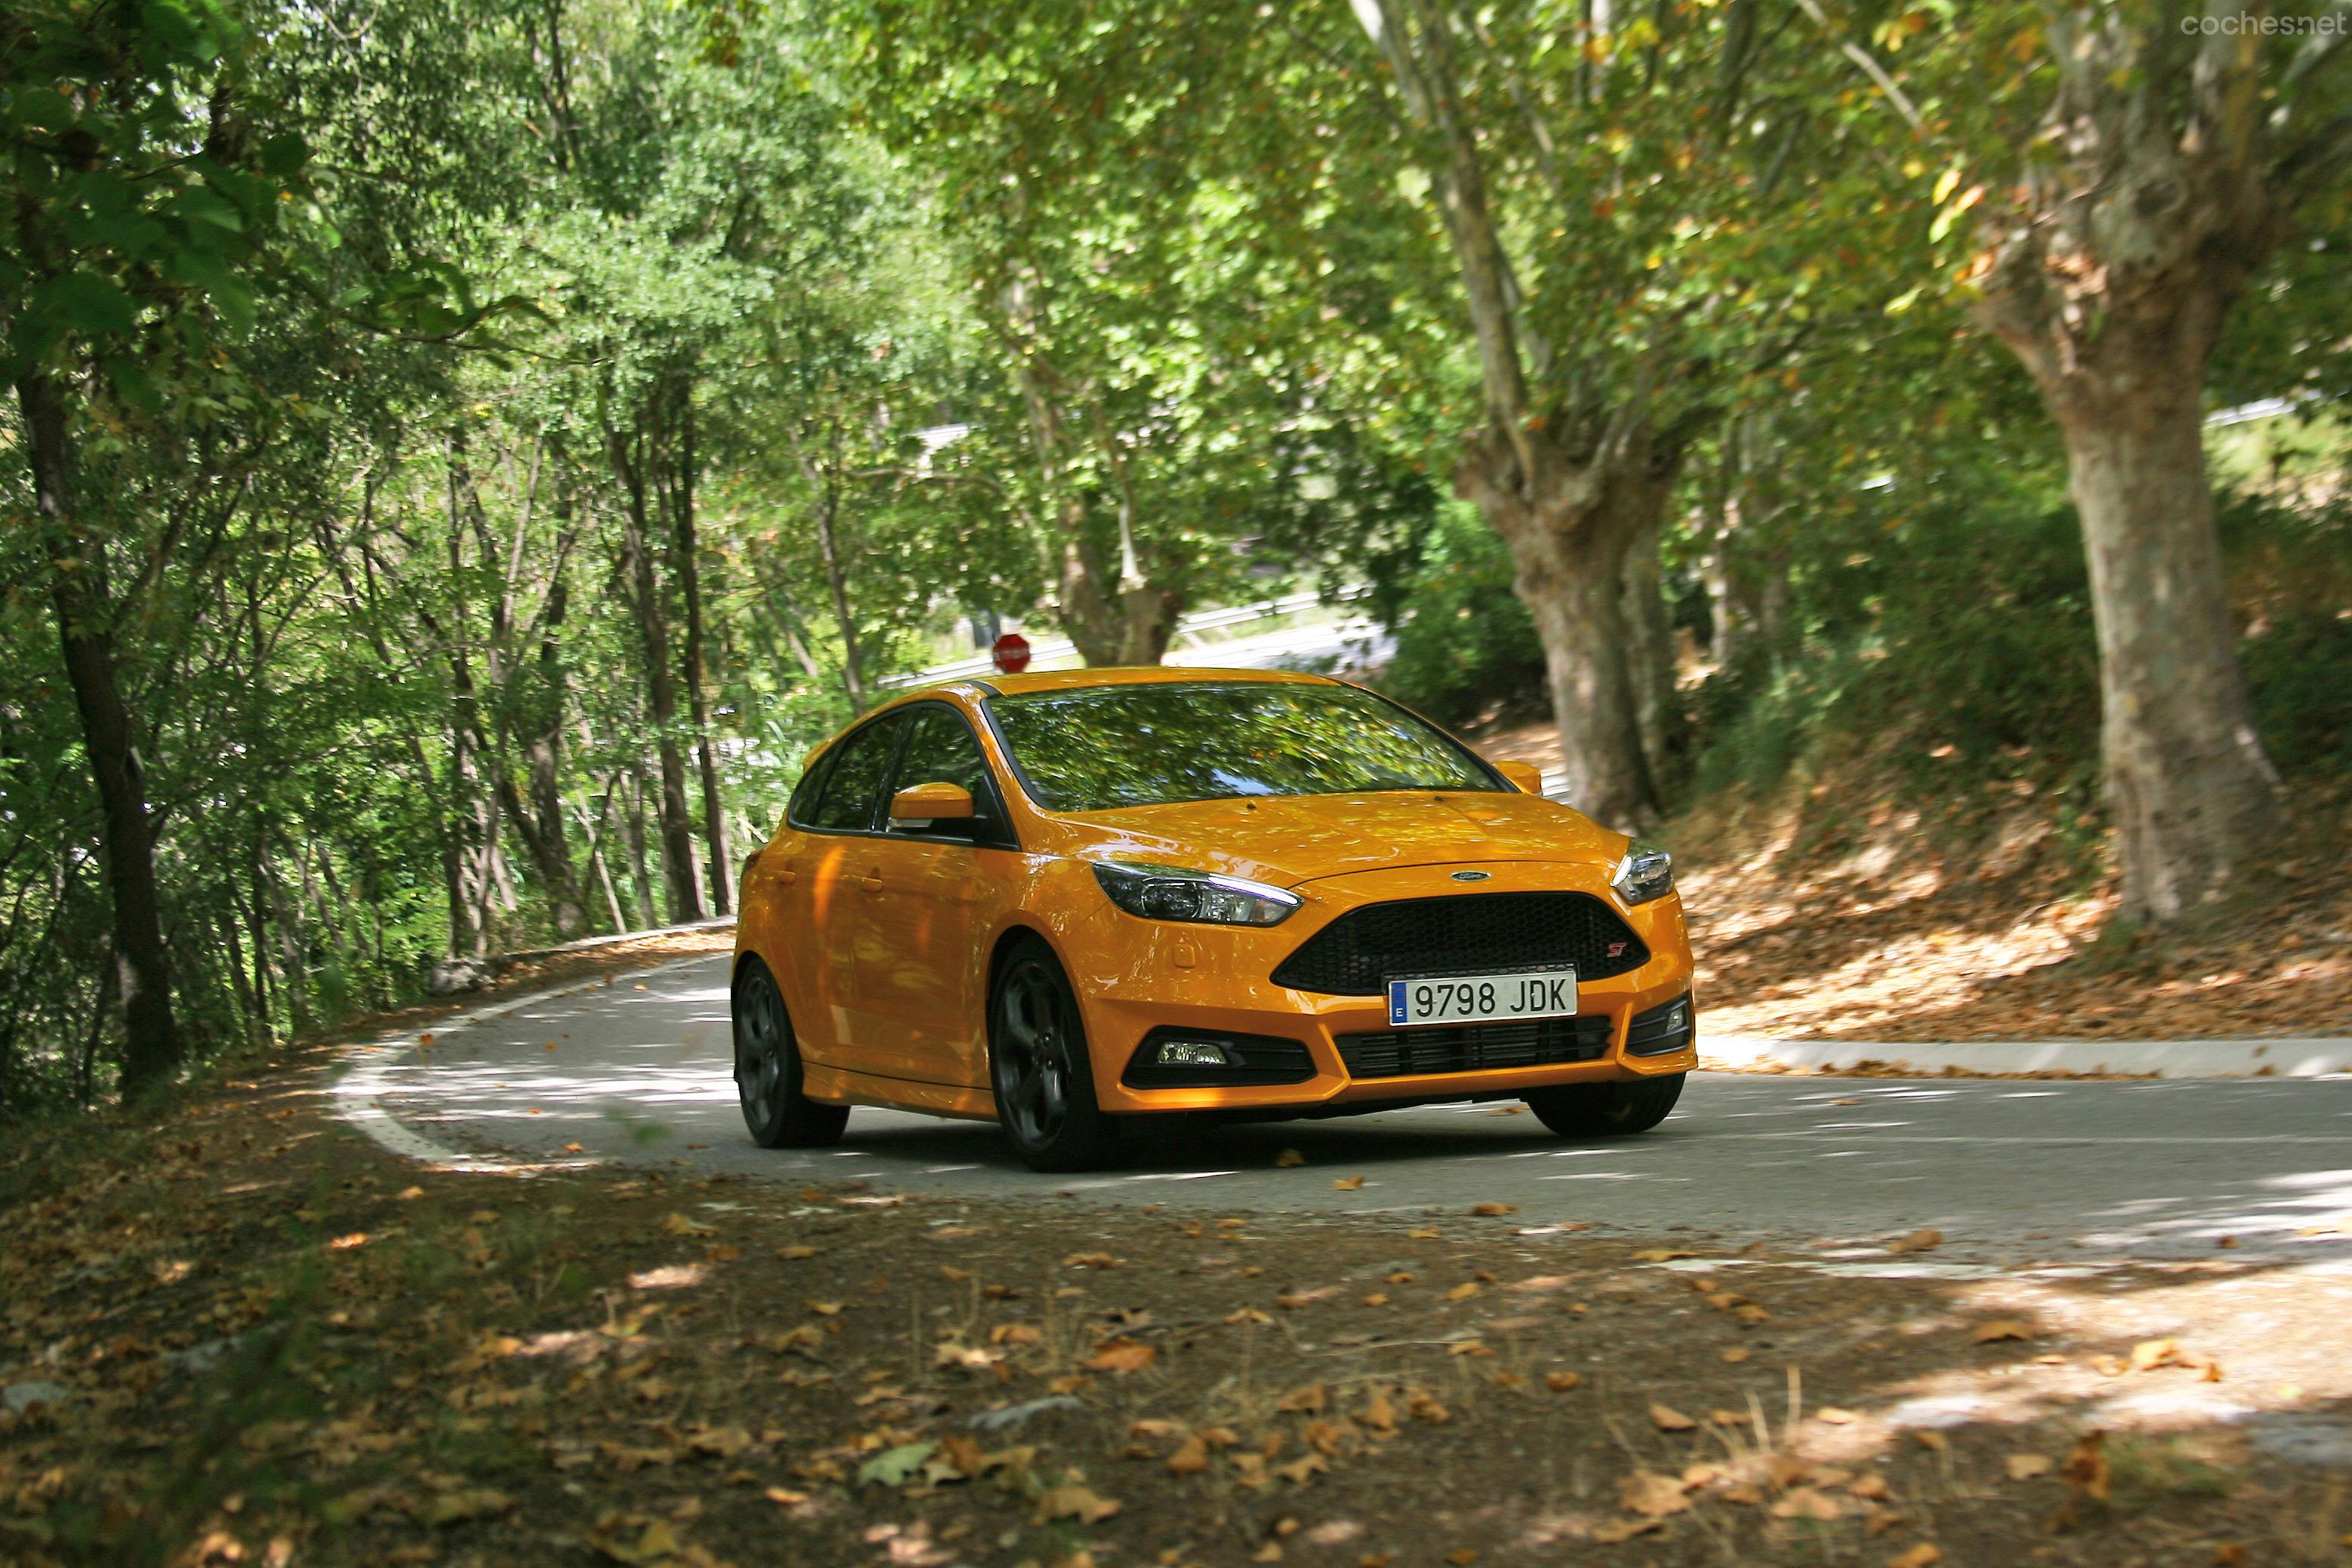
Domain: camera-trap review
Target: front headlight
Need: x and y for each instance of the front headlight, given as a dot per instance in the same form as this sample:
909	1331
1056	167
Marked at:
1646	873
1172	893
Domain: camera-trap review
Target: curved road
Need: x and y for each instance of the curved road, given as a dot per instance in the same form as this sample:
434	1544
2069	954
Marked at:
638	1071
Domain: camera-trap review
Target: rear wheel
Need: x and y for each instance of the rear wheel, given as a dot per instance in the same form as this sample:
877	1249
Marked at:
1038	1068
768	1071
1606	1110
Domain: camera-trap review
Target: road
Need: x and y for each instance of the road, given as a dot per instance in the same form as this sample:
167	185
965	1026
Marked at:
638	1071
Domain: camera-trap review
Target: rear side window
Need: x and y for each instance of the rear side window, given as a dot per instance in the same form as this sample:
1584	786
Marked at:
853	785
804	793
941	749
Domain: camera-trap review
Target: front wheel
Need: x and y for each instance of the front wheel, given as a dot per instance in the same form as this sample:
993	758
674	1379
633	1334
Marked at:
1606	1110
1038	1069
768	1071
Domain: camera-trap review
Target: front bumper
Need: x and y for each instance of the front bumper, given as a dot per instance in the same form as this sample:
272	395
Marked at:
1214	980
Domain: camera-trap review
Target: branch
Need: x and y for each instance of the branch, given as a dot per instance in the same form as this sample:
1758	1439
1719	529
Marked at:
1869	67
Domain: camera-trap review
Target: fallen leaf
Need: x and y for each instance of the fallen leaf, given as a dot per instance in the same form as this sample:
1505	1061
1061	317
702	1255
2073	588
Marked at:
1651	1495
2025	1467
2087	1473
1735	1353
1917	1241
1493	1210
1347	1183
1310	1400
1191	1457
1804	1502
1462	1292
679	1225
1298	1471
1121	1355
1074	1501
1609	1532
1422	1233
454	1507
1666	1418
894	1466
1926	1555
1376	1298
1288	1159
1834	1416
795	1253
2000	1329
1561	1382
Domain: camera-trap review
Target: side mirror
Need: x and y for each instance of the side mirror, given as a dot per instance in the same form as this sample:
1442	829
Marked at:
932	803
1527	776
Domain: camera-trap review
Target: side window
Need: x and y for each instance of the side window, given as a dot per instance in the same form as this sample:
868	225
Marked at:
853	785
803	805
940	749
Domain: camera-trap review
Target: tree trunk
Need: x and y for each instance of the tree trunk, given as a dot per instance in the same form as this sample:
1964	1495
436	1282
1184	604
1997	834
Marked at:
86	616
1570	533
1650	651
636	819
1128	623
678	874
2193	795
688	550
542	822
837	582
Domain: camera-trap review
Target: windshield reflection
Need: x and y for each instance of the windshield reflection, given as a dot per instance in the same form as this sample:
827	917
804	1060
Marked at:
1095	748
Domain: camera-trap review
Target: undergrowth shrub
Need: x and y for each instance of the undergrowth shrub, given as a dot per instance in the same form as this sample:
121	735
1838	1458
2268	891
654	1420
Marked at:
1465	644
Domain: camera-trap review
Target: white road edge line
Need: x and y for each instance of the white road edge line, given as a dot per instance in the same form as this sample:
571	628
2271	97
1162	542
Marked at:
359	1092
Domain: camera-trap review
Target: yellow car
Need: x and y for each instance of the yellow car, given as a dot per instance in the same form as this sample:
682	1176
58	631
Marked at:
1071	902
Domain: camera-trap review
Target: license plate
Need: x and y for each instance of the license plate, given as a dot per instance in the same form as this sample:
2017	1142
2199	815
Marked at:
1482	999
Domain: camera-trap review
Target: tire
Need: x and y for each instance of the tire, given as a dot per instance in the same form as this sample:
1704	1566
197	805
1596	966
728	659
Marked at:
1606	1110
768	1069
1038	1068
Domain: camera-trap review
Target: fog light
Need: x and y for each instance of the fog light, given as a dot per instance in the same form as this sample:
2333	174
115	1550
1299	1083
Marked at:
1191	1053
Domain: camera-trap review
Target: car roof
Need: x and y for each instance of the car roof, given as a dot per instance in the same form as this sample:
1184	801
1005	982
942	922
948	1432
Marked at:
1137	676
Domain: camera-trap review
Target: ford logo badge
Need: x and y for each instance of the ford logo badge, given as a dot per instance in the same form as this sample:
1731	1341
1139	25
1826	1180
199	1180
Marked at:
1470	876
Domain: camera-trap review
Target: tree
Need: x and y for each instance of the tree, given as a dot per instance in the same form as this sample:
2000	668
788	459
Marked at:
2121	188
1626	242
142	191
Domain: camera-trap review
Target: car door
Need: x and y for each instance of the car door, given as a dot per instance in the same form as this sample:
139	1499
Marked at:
826	900
931	907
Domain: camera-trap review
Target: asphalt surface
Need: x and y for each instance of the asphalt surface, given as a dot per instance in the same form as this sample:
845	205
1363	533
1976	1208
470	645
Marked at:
639	1072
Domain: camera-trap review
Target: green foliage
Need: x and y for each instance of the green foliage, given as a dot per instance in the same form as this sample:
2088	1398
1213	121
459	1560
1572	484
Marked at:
2292	569
1464	646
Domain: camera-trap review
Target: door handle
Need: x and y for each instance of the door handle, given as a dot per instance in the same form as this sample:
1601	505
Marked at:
872	881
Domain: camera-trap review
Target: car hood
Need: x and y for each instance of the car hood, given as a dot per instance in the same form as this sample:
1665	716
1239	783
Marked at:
1293	838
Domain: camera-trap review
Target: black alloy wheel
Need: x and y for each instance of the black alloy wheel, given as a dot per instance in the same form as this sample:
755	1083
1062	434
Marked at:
768	1069
1038	1068
1606	1110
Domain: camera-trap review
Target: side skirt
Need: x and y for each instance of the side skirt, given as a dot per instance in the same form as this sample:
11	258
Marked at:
840	1086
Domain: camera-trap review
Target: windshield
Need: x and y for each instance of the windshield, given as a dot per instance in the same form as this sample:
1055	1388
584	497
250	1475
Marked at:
1096	748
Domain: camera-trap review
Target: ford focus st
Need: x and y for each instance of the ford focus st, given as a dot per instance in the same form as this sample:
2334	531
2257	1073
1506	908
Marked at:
1072	901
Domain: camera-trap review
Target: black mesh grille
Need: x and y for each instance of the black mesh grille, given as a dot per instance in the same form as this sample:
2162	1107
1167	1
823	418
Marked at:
1470	933
1475	1047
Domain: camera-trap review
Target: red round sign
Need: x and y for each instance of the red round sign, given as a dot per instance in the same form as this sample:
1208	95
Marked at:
1012	653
